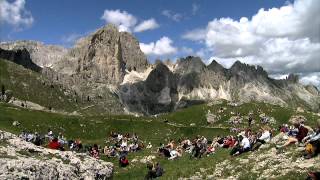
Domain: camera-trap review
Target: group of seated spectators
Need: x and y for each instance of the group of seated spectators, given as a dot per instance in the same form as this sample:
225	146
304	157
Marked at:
35	138
200	146
196	147
303	135
53	141
119	145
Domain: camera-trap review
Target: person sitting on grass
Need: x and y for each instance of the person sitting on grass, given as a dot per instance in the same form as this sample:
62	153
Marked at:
159	170
54	144
312	143
244	146
123	162
174	154
264	138
151	172
94	152
163	151
301	133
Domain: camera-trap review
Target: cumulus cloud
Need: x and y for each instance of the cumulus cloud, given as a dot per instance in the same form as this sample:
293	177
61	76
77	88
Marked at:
146	25
172	15
15	14
161	47
128	22
122	19
312	78
282	40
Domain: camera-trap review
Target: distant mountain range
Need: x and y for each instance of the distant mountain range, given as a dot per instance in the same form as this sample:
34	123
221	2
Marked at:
111	62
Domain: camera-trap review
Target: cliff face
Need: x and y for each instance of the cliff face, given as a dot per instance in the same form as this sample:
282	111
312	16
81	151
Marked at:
190	81
108	67
21	57
104	56
42	55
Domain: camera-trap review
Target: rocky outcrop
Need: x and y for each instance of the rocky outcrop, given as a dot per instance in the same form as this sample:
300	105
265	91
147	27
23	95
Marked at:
21	57
24	160
41	54
157	94
193	82
104	56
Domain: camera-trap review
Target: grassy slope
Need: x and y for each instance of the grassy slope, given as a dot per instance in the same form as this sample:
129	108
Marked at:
94	129
31	86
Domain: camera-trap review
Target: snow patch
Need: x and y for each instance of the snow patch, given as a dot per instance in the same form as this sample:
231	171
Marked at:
134	76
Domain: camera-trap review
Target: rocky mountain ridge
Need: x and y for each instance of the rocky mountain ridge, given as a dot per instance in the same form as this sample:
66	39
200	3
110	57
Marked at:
109	61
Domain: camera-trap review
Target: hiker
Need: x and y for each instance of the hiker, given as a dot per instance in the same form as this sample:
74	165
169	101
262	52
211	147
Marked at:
171	144
295	137
37	140
244	146
159	170
174	154
54	144
61	139
123	162
30	137
94	152
50	135
163	151
264	138
284	128
149	145
151	172
312	143
250	121
313	176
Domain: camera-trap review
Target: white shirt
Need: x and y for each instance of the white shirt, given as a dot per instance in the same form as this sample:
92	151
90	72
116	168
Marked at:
266	136
245	143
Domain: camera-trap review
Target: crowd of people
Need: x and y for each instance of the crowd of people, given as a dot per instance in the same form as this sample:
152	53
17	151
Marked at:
302	135
119	145
201	146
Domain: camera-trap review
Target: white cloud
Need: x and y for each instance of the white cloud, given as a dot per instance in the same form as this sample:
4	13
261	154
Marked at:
312	78
162	47
187	50
282	40
172	15
147	25
122	19
15	14
195	35
128	22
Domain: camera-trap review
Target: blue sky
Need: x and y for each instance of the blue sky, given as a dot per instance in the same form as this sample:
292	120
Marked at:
280	35
54	20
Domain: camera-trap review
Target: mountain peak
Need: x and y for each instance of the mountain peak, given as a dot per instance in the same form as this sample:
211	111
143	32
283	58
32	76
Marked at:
215	66
190	64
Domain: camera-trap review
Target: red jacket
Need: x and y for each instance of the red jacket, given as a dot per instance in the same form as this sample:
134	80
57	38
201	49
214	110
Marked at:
54	145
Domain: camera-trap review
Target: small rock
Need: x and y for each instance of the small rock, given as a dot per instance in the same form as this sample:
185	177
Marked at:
16	123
